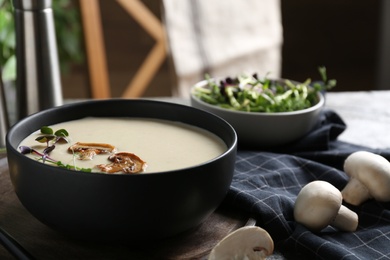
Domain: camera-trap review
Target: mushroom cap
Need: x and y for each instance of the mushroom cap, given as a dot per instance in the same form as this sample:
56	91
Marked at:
249	242
372	170
317	205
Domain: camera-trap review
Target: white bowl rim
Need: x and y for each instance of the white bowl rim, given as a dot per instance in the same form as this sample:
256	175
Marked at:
318	105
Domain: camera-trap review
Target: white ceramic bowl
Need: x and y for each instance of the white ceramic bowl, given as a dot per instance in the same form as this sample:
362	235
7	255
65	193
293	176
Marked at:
261	129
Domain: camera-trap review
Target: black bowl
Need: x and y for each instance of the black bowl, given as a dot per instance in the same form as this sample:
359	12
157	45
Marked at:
136	207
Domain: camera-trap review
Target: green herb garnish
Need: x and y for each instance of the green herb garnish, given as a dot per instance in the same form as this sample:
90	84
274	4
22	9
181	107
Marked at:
61	132
46	130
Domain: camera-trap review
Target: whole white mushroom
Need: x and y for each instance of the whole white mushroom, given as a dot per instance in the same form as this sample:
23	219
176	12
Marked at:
369	178
249	242
319	204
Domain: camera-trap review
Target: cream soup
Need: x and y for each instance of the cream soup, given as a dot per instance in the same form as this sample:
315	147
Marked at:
163	145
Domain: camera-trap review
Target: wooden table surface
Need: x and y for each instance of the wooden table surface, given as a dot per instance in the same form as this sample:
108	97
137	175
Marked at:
367	115
44	243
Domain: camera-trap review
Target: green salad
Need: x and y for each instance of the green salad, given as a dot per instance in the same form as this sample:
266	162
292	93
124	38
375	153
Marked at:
252	94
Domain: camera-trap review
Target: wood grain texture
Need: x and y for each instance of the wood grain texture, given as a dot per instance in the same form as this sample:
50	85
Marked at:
95	49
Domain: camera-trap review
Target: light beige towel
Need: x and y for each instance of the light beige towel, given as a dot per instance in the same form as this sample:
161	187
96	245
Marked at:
222	38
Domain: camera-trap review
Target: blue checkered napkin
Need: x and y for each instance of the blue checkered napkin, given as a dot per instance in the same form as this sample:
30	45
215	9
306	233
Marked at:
265	186
329	126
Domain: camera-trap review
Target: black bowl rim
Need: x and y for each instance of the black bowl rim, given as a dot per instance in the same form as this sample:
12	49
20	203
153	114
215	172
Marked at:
229	150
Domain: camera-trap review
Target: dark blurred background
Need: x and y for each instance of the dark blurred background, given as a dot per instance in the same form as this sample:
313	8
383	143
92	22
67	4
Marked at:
342	35
345	36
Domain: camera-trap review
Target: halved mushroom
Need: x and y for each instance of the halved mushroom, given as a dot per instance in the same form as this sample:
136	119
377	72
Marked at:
86	151
249	242
123	162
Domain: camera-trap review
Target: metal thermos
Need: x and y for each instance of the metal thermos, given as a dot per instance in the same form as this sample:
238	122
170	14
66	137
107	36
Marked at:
38	82
4	121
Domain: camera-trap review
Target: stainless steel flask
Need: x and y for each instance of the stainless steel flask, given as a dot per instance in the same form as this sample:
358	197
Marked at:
4	121
38	82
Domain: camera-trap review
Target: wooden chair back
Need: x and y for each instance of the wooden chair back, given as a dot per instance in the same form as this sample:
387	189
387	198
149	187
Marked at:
96	51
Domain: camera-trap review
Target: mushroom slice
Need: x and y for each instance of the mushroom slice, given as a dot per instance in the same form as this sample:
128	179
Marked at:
123	162
249	242
86	151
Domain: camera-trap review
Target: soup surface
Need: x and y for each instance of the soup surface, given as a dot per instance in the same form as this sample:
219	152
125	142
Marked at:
163	145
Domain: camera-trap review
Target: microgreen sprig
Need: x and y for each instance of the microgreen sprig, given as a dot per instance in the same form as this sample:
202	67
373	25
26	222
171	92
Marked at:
28	150
51	138
48	135
46	158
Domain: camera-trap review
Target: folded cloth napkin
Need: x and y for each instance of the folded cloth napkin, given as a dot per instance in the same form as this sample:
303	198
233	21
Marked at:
222	38
329	126
266	184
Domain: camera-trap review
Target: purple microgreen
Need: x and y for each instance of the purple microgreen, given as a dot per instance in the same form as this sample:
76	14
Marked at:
44	156
46	130
48	149
46	152
229	80
60	136
25	149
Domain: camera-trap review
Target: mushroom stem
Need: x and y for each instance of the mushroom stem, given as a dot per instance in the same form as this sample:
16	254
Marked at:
355	192
345	220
